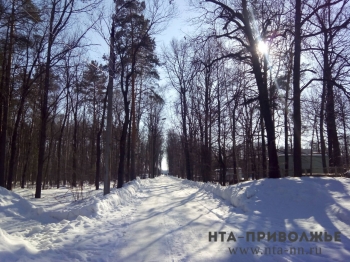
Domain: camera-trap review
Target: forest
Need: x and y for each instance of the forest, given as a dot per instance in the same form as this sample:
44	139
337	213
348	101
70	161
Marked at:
258	84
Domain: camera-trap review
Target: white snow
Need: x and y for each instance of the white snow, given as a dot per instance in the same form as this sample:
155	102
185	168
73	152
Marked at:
169	219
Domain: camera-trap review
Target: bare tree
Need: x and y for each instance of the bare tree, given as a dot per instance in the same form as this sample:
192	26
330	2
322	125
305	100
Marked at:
239	28
59	18
180	70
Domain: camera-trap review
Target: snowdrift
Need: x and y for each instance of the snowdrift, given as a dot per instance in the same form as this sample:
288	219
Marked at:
291	196
100	204
12	204
14	247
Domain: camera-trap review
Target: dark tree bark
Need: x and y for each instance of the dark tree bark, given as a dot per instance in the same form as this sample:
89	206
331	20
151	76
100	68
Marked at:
123	137
234	149
133	130
111	71
98	145
5	96
220	152
333	142
266	113
44	113
297	92
322	139
75	142
263	147
11	173
27	155
59	146
184	112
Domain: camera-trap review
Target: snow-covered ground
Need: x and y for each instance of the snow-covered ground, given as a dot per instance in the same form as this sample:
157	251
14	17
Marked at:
168	219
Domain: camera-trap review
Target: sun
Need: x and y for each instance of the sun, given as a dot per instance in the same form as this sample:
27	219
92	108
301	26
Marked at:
262	47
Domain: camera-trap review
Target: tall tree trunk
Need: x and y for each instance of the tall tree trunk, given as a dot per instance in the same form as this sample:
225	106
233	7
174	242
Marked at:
59	149
312	143
44	113
262	127
128	155
185	135
133	128
322	140
286	111
297	92
98	145
206	152
75	145
5	96
221	162
29	149
263	147
11	172
234	150
48	162
26	160
111	71
345	137
93	135
123	142
263	98
333	142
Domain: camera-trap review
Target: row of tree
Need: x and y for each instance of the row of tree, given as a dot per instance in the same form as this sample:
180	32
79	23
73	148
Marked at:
63	119
260	74
66	120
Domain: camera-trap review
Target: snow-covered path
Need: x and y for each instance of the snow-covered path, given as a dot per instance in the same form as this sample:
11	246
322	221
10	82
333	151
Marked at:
169	224
167	219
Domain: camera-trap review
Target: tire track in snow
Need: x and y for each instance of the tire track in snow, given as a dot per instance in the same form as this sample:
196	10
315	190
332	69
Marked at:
177	235
177	205
160	229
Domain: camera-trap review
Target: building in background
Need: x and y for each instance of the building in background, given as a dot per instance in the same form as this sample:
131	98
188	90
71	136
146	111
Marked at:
310	164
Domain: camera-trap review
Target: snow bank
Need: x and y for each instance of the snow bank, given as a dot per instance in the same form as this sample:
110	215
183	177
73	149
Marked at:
12	248
12	204
100	203
235	194
292	193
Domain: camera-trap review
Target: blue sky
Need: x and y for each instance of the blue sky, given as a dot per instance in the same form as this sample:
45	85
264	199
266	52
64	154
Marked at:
177	28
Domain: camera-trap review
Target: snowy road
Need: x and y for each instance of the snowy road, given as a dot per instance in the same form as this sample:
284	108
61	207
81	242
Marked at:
170	223
167	219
